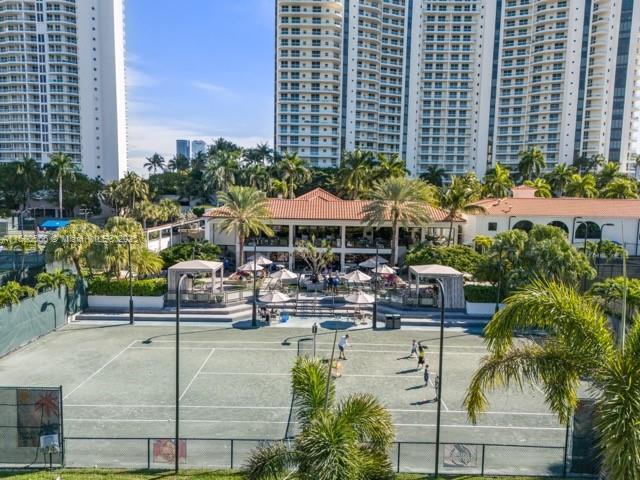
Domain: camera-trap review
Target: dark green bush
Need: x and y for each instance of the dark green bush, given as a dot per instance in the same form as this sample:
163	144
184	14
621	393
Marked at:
151	287
201	250
462	258
200	209
480	293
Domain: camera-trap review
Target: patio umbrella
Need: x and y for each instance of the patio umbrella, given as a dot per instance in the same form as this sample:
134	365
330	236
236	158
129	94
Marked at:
275	297
384	270
261	260
250	267
360	298
371	262
283	274
357	277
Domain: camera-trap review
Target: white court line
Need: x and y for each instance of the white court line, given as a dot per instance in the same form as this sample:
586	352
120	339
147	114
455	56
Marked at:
197	373
291	350
286	407
538	388
346	375
100	369
292	342
446	409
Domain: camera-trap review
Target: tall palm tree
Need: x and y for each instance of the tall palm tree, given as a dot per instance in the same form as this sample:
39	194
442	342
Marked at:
543	189
221	171
559	177
580	346
389	167
355	175
134	189
497	182
61	166
434	175
608	173
295	171
73	243
581	186
265	153
457	199
245	212
154	163
349	439
401	202
29	176
256	176
532	162
621	187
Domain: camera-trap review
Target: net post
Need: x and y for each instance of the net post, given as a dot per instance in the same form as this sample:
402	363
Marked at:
62	442
231	454
398	460
148	453
566	452
482	464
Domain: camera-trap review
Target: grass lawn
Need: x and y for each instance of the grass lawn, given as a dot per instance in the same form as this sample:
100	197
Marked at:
188	475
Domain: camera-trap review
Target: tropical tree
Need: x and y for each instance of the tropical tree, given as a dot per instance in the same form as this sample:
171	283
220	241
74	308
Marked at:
389	167
531	163
154	163
55	280
29	178
401	202
621	187
12	293
583	186
543	189
355	174
221	170
457	199
497	182
60	167
145	262
257	176
178	163
580	345
111	252
294	171
245	212
134	189
316	257
482	243
348	440
73	243
24	245
434	175
609	172
559	177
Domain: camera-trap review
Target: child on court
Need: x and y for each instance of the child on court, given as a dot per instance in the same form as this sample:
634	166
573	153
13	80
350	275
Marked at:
342	343
414	349
426	375
420	357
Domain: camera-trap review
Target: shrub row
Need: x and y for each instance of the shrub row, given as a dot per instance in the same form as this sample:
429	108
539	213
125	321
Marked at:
152	287
480	293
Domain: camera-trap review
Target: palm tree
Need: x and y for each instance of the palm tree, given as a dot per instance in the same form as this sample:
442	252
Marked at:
73	243
543	189
23	245
497	182
434	175
154	163
580	346
621	187
401	201
581	186
29	176
245	212
389	167
531	163
145	262
61	166
355	175
257	176
346	440
55	280
295	171
12	292
608	173
457	199
559	177
220	173
134	188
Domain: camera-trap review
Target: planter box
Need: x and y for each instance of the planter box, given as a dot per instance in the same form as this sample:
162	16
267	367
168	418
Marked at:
482	309
105	302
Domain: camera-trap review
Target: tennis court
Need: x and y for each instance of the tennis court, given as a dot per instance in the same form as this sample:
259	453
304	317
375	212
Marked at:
118	383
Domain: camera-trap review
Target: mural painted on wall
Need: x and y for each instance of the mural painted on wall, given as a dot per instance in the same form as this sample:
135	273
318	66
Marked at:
38	415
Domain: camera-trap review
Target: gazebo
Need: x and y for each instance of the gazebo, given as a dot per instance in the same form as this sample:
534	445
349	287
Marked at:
193	267
452	280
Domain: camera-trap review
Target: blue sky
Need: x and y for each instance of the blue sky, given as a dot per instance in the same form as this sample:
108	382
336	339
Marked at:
198	69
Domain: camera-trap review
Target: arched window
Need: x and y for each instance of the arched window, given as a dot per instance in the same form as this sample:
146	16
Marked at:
593	231
525	225
561	225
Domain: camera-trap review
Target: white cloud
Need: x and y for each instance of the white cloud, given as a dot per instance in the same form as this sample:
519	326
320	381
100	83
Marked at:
137	78
214	89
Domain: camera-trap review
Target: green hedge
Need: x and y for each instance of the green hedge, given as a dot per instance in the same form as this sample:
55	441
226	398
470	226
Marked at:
480	293
462	258
152	287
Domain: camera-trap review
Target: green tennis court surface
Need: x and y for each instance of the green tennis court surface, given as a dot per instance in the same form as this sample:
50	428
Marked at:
118	383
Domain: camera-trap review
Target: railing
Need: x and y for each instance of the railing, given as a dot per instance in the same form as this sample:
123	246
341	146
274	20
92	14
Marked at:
232	297
407	457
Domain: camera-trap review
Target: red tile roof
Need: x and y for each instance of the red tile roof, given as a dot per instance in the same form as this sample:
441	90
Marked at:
319	204
561	207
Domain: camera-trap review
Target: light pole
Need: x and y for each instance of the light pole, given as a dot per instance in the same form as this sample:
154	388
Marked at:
439	391
573	229
600	244
177	439
254	312
314	331
499	280
375	290
131	322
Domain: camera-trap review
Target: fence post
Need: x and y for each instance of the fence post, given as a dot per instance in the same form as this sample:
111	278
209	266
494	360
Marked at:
566	452
231	454
148	454
398	467
482	465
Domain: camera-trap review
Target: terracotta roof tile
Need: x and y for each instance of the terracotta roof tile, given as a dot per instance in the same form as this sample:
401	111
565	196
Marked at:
319	204
562	207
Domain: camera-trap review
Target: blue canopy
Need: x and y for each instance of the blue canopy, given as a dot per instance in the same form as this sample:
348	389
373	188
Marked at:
54	224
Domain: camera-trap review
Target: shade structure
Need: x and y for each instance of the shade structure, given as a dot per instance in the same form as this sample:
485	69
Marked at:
193	267
384	270
275	297
452	280
357	277
283	274
360	298
250	267
371	262
261	260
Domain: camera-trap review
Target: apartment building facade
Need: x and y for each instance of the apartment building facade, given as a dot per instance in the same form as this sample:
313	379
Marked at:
458	84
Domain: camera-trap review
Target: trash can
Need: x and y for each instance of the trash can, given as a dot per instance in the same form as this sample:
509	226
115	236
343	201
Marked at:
388	322
397	322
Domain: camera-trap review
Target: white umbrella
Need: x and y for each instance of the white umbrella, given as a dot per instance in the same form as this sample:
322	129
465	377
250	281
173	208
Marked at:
359	298
371	262
261	260
357	277
250	267
275	297
384	270
283	274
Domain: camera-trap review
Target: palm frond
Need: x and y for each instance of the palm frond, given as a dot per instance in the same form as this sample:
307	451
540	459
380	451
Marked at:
369	419
271	462
309	383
